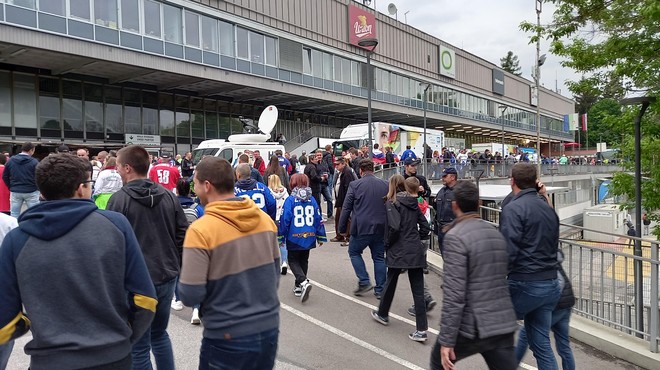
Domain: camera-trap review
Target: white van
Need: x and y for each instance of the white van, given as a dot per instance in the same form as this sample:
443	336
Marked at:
243	143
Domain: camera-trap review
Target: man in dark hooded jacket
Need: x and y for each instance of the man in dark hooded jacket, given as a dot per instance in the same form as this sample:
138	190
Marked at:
160	226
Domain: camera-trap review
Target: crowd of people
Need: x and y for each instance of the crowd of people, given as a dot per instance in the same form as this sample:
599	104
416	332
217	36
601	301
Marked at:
244	225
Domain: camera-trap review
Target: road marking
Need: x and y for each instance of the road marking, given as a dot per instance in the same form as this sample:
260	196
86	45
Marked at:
351	338
528	367
370	306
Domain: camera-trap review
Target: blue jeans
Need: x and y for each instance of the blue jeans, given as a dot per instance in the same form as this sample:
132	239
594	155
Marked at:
16	201
284	253
326	191
156	338
534	302
356	245
560	325
252	352
5	352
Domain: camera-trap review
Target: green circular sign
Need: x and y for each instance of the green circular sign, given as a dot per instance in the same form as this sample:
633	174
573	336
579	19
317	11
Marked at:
447	62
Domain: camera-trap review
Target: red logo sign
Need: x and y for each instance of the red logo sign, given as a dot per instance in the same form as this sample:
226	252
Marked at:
362	24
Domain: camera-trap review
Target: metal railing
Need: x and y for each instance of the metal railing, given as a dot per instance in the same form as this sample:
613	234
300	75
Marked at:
604	283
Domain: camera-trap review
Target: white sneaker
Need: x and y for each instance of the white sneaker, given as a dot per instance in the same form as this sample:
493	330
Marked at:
306	288
176	305
195	317
285	267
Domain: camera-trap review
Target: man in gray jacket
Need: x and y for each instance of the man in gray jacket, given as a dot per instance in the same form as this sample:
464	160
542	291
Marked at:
477	313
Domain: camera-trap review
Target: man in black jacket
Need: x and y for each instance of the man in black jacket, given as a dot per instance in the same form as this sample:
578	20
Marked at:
345	176
314	176
444	215
531	230
477	312
187	166
19	178
160	226
410	167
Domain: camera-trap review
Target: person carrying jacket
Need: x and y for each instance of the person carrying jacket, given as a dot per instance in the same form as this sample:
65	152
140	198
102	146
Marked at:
246	187
300	229
160	226
403	244
477	311
85	295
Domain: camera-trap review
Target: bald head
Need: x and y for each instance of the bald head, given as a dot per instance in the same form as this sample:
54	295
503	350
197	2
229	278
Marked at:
243	171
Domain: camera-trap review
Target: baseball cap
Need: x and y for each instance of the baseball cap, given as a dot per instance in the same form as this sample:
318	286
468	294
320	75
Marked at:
166	155
411	161
62	148
449	171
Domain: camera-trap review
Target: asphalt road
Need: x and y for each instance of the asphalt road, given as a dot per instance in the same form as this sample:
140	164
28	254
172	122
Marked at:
334	329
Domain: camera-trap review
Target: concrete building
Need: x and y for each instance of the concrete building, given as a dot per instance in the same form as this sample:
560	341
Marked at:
102	73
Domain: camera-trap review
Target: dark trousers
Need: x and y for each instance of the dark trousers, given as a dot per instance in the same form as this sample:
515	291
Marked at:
498	351
298	263
416	277
251	352
348	225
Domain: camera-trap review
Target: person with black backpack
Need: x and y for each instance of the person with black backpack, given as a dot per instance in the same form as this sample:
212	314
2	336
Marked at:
193	210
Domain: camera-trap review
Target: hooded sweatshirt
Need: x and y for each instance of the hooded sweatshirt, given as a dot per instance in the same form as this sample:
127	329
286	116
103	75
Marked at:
259	193
159	224
231	266
19	174
73	285
300	224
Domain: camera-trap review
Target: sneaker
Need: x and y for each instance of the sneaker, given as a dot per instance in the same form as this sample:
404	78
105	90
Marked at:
195	317
297	291
176	305
418	336
337	239
377	295
344	244
425	270
306	288
430	304
362	289
411	310
383	320
285	267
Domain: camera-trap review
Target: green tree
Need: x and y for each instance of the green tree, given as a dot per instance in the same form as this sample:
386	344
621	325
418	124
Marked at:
510	63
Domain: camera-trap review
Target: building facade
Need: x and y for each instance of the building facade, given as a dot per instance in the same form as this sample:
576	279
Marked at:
103	73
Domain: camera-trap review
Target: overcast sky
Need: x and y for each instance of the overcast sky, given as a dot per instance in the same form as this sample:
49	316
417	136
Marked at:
486	28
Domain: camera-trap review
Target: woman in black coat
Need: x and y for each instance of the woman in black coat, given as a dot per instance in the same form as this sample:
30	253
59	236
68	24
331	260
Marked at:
406	226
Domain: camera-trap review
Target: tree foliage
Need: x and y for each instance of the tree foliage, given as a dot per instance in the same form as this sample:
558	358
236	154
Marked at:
510	63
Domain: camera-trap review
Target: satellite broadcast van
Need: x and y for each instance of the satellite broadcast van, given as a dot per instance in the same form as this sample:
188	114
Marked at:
243	143
389	134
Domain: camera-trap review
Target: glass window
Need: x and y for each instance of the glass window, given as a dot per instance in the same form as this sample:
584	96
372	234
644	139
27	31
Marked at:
257	47
152	18
5	99
226	38
80	9
307	61
346	71
242	41
385	76
327	66
105	13
130	15
166	114
113	110
356	73
149	113
52	6
24	3
93	108
192	29
25	101
404	84
198	124
317	63
271	51
172	24
212	125
182	124
209	34
393	83
72	113
337	68
132	119
49	112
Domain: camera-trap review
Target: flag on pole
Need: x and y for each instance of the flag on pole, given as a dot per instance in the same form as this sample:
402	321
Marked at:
573	121
567	126
584	122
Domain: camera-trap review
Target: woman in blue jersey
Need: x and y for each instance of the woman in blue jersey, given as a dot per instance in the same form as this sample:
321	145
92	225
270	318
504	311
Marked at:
301	228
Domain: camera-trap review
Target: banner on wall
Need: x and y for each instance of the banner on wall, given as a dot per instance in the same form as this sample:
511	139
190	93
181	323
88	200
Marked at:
362	24
447	62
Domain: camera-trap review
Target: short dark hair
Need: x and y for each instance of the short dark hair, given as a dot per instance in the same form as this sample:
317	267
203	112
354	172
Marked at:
27	146
59	175
218	172
367	165
466	196
524	175
135	156
183	187
3	158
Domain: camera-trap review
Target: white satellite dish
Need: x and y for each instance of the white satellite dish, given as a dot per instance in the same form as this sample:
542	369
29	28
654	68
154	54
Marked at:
266	124
392	9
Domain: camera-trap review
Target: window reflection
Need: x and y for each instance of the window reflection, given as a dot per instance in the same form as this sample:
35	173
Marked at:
257	47
130	15
5	99
226	38
172	24
152	18
192	29
52	6
242	37
307	61
80	9
209	34
105	13
271	51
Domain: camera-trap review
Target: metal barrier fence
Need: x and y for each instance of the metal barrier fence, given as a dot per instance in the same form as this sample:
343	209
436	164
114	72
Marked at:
492	170
604	283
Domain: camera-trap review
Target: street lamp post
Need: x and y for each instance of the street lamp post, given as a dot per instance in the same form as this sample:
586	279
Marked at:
639	286
369	43
537	73
425	100
503	107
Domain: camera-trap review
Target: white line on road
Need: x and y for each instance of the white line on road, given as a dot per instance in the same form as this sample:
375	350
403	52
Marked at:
351	338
